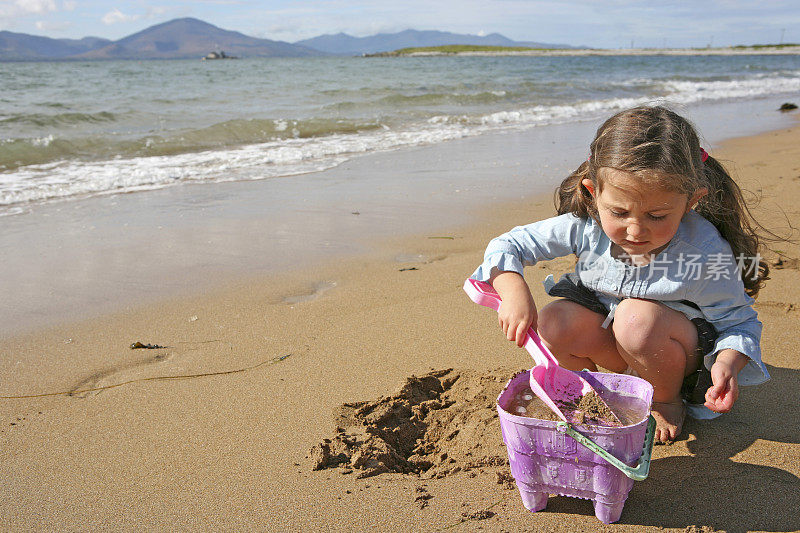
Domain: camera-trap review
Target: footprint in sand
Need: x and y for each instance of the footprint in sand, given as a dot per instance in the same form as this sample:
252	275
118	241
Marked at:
162	363
418	258
315	292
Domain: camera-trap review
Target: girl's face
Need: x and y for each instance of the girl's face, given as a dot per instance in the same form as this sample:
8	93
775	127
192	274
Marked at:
638	218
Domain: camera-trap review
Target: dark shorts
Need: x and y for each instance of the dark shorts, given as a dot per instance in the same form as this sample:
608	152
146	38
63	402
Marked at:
695	384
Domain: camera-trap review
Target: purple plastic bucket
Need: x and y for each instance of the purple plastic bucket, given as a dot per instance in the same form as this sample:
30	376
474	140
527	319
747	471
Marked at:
546	460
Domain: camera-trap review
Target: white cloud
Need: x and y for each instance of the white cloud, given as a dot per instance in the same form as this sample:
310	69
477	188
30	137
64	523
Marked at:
69	5
36	6
14	11
115	16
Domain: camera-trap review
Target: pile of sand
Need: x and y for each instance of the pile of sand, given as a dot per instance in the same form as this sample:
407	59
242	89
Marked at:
437	424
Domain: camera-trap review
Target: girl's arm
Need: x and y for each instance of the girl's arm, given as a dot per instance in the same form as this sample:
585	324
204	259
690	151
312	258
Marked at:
527	245
723	302
517	313
721	396
508	254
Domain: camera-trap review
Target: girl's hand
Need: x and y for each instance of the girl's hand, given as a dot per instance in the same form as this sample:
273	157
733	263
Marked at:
517	313
721	396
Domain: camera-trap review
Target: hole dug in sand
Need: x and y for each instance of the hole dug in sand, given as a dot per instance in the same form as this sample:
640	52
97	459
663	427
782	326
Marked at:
436	425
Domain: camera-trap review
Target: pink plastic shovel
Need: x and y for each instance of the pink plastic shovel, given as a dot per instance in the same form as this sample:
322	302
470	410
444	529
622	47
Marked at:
557	387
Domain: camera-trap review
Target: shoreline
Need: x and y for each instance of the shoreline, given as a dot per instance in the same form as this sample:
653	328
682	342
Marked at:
90	257
233	450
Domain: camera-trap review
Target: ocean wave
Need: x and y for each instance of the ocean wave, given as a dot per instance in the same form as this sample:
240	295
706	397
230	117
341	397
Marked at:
22	152
695	91
58	119
455	97
16	153
48	167
412	101
668	91
239	132
67	179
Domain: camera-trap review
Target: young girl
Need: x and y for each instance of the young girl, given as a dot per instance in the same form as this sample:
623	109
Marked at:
666	274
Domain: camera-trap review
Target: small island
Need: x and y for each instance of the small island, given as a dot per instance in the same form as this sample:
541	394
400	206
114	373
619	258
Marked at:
477	50
455	49
218	55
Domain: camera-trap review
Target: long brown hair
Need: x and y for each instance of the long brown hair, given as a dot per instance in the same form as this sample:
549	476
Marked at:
662	148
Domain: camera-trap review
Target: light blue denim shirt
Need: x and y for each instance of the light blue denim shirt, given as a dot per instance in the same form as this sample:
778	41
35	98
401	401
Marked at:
697	265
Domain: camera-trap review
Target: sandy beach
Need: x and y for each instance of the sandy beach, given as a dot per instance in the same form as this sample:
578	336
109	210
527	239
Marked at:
221	427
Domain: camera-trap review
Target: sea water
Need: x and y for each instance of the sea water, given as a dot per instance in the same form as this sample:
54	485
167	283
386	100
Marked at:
124	182
69	130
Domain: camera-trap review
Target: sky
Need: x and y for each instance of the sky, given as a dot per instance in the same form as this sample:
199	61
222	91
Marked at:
600	24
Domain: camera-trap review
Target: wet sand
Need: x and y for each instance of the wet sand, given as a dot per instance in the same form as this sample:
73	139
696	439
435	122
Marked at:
274	357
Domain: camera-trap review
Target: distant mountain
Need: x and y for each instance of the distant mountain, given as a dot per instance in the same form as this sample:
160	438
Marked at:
191	38
21	46
343	44
185	38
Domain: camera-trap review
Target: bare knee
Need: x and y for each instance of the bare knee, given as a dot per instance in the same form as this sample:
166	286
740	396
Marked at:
555	324
647	328
575	336
636	326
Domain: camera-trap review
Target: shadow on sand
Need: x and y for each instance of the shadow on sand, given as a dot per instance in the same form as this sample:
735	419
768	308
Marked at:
713	487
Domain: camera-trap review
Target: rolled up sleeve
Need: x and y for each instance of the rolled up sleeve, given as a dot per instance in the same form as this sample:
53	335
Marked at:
527	245
726	305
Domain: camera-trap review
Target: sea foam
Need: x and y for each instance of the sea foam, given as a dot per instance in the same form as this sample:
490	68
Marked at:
297	146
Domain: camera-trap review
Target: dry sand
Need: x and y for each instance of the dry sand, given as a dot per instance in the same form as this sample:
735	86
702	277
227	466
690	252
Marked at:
234	450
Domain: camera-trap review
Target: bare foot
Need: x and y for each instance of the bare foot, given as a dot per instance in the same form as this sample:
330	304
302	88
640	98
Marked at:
669	420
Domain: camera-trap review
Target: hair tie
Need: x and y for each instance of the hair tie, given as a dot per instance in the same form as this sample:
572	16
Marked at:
703	155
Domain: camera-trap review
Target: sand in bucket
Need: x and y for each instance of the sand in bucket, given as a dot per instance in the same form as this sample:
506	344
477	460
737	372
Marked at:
587	411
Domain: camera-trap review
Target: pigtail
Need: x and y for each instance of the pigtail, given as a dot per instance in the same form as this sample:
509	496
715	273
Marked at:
725	207
572	197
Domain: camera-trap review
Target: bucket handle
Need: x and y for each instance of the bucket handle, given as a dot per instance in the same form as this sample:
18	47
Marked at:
638	472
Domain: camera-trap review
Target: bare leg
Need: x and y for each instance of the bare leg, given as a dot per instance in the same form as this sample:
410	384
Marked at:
573	333
659	343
